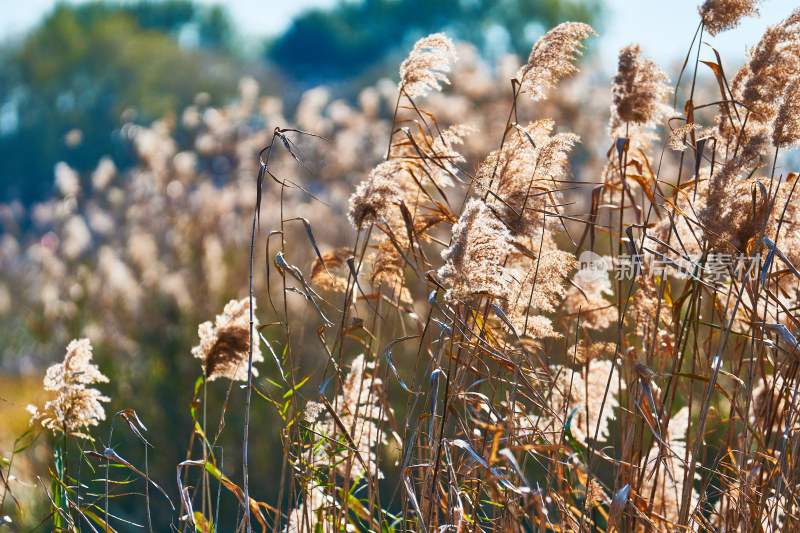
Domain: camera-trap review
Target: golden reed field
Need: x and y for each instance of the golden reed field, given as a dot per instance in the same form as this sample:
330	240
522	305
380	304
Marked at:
473	301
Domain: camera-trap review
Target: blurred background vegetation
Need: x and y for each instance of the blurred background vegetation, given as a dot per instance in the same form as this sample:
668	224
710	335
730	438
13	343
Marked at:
68	86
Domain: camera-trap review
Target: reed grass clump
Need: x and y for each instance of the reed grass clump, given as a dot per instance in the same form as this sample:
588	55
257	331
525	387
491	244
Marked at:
76	406
465	330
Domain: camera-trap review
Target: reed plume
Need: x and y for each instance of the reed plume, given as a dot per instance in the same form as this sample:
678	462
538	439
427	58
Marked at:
639	89
552	58
321	268
735	215
473	263
225	345
583	353
376	199
360	410
426	67
578	395
536	287
587	298
76	406
523	176
758	86
722	15
786	129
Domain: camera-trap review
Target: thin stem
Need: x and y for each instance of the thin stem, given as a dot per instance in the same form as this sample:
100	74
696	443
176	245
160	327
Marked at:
245	484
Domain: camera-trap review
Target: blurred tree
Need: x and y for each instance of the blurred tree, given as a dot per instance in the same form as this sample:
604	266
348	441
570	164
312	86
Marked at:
353	36
64	88
210	24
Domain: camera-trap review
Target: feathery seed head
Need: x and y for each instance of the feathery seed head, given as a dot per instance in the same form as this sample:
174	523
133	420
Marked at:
427	65
312	411
361	412
376	198
321	274
225	346
580	394
771	67
595	495
388	266
552	58
585	353
587	299
680	138
77	406
786	130
473	263
536	286
640	87
722	15
522	175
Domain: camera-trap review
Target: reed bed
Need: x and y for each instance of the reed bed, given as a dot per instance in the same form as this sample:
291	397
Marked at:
475	337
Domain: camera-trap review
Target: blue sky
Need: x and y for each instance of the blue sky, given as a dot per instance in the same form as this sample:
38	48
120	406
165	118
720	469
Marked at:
663	28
